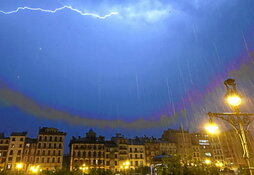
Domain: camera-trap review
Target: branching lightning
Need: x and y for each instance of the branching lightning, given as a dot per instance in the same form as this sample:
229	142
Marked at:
59	9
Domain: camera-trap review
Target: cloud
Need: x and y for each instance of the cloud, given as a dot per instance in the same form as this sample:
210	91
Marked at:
149	11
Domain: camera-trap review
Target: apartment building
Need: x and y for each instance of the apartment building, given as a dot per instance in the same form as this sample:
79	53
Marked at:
136	151
87	151
167	148
182	139
122	144
4	145
15	150
50	148
111	156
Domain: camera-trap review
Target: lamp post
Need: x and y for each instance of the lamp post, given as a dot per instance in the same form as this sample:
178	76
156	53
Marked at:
19	166
84	168
238	120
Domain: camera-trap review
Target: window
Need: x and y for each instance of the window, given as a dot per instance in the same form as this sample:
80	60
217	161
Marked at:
58	160
115	162
59	153
61	139
11	152
53	160
208	154
54	145
42	160
38	152
136	163
56	139
12	145
20	145
21	139
37	160
50	138
60	145
10	159
48	152
13	139
40	138
44	145
19	152
45	138
39	145
49	145
48	160
141	156
130	149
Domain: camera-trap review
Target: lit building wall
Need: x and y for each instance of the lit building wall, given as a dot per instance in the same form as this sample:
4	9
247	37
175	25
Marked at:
4	145
15	150
50	149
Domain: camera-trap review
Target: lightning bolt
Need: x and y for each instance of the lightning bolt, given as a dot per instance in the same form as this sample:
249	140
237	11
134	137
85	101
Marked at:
59	9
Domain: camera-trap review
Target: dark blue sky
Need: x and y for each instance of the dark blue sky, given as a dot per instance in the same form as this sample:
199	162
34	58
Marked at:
123	72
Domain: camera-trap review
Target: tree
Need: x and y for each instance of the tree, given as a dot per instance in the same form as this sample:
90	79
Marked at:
175	166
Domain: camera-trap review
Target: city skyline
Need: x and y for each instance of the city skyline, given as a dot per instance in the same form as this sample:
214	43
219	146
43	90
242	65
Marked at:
150	66
46	152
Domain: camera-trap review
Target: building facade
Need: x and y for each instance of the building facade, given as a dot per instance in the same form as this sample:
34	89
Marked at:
20	153
4	146
87	152
15	150
50	148
136	151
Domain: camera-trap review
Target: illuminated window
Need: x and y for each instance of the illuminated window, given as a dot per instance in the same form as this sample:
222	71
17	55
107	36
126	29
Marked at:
204	142
208	154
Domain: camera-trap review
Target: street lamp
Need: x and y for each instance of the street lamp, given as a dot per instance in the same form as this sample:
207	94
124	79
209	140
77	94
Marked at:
238	120
19	166
207	161
212	128
125	166
84	168
35	169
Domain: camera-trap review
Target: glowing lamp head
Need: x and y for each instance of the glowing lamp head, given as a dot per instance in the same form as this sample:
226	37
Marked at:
234	100
219	164
35	169
19	166
208	161
212	128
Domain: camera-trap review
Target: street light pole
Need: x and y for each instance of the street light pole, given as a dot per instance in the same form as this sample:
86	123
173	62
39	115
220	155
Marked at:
239	121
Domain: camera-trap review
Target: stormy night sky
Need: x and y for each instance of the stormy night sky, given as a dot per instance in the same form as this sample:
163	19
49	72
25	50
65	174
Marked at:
136	67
